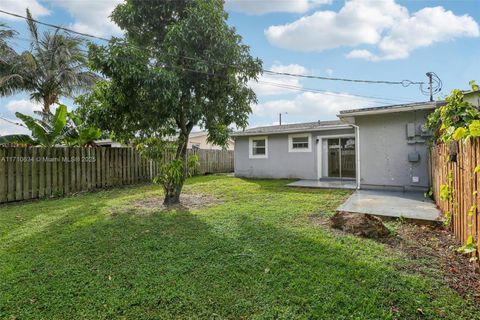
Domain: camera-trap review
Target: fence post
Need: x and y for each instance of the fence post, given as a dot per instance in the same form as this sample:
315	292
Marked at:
3	176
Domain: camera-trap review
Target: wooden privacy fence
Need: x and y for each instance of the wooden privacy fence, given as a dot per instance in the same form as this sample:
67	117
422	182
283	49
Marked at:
30	173
464	200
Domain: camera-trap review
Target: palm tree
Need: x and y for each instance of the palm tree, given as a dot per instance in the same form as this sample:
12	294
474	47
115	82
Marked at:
5	33
6	52
54	67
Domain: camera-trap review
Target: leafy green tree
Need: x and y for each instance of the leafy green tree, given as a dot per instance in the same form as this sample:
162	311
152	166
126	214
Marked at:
180	65
54	67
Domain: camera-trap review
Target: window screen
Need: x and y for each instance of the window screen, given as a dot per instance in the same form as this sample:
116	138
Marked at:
300	142
258	147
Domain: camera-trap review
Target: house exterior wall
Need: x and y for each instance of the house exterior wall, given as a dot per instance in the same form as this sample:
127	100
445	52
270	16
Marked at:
200	141
280	164
473	98
384	151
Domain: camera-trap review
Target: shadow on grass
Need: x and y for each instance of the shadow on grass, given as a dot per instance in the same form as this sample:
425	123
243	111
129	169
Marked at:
180	265
280	185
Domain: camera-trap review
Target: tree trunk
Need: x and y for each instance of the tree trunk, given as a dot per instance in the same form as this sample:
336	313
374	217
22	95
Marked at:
46	107
171	197
173	191
45	110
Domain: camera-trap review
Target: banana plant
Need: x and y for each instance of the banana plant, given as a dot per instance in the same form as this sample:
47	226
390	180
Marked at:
82	134
17	139
52	130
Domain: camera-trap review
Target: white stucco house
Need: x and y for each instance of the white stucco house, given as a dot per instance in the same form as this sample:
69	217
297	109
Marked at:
372	148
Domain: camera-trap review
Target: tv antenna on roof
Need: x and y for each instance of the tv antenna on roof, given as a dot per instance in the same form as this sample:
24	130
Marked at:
434	85
280	117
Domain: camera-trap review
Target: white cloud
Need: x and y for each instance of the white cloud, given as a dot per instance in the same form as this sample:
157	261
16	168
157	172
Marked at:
19	7
91	16
264	85
259	7
362	54
329	72
384	24
424	28
23	106
321	106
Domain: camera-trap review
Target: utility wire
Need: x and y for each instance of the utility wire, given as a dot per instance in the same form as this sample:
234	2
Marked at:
328	92
380	100
404	83
54	26
12	122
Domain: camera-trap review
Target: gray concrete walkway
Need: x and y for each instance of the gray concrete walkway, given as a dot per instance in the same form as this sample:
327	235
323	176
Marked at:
410	205
325	184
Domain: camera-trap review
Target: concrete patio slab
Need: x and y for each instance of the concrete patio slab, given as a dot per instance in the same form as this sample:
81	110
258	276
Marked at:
410	205
325	184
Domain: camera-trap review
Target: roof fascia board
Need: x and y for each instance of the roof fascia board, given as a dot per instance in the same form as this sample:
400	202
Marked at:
242	134
387	110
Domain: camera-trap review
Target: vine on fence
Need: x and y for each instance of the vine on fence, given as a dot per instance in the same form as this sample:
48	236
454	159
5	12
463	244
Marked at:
470	247
446	194
457	120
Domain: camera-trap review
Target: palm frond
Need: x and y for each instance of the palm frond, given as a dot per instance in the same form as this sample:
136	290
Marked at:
6	32
32	27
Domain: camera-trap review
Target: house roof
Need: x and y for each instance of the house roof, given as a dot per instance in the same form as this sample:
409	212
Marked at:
198	134
338	124
291	128
391	108
467	92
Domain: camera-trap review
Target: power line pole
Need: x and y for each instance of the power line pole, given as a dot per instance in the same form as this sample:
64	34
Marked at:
430	84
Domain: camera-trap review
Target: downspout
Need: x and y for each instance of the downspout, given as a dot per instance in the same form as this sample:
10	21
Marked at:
357	144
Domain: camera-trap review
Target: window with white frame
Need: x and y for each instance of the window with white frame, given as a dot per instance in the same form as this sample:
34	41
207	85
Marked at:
301	142
258	147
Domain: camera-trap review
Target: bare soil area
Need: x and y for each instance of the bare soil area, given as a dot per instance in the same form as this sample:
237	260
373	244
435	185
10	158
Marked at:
431	246
189	201
430	250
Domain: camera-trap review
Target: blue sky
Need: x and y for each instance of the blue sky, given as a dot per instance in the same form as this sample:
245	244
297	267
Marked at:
363	39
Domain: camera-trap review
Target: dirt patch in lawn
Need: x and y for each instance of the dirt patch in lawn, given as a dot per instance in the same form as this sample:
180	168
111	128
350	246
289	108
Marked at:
431	251
320	219
189	201
433	247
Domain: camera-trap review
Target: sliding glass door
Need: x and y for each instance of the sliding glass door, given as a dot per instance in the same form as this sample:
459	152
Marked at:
340	158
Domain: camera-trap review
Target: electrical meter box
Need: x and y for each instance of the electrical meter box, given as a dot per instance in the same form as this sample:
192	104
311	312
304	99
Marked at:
414	156
410	130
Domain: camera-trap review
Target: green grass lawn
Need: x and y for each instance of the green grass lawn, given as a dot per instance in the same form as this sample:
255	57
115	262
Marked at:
255	255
